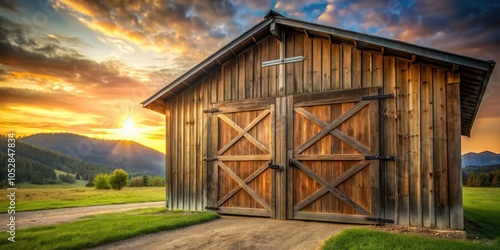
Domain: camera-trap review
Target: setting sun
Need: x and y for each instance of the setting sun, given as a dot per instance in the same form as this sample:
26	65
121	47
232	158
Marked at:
129	124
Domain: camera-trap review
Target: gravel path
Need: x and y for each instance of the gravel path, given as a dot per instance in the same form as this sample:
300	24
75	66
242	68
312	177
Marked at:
55	216
237	233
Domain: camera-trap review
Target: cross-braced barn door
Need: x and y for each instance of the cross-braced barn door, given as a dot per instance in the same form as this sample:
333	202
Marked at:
242	147
329	136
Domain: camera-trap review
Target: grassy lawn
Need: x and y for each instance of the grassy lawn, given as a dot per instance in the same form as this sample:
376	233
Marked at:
97	230
48	198
481	208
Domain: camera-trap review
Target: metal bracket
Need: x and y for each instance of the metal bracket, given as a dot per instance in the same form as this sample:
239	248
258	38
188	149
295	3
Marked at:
210	159
375	97
380	157
211	208
380	221
213	110
275	166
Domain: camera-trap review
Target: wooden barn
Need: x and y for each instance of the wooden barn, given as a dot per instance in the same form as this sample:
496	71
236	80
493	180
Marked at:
296	120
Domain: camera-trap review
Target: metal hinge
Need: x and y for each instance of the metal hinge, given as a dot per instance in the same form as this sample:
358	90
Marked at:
213	110
374	97
380	157
210	159
212	208
380	221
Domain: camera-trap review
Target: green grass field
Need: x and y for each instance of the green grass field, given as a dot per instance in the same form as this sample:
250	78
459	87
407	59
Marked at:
97	230
49	198
481	208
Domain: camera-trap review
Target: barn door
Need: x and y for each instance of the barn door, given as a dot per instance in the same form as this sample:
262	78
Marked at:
329	136
243	150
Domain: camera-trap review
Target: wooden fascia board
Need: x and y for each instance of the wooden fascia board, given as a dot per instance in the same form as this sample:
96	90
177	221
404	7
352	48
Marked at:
384	42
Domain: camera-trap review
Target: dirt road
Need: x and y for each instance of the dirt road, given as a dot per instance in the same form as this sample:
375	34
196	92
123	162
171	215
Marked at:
55	216
237	233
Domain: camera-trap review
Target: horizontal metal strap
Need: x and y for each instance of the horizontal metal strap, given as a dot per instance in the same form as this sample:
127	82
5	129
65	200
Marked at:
282	61
374	97
380	157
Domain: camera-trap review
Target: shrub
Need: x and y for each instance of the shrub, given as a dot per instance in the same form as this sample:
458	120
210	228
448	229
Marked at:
137	181
157	182
118	179
101	181
89	184
67	178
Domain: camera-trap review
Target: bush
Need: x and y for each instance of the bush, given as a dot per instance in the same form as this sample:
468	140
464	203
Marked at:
89	184
67	178
137	181
157	182
101	181
118	179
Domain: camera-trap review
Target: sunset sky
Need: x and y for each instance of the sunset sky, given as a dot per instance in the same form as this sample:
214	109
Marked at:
84	67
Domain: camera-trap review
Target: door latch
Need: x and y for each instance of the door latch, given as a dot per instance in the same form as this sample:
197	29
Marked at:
275	166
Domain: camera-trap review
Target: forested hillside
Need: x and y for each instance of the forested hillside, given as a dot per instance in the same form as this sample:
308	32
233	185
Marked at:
37	165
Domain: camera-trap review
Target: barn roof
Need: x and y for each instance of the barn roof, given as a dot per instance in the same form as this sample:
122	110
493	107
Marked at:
474	73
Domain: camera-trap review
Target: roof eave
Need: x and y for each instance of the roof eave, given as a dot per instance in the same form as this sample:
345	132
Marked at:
480	99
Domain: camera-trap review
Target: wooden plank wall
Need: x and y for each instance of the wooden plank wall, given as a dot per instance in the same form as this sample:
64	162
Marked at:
420	126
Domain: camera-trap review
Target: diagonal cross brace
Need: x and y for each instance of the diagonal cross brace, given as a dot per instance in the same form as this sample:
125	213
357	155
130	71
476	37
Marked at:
249	179
337	181
326	130
243	185
330	188
335	132
244	132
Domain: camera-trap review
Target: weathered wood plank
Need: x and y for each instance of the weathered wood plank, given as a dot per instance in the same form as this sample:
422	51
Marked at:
249	81
244	211
356	68
427	149
389	133
403	141
378	70
415	182
317	65
265	74
245	134
367	69
375	190
454	150
330	157
241	77
289	147
344	218
440	151
168	152
274	53
330	97
308	65
281	158
289	67
347	67
244	157
257	71
298	67
336	66
326	84
214	167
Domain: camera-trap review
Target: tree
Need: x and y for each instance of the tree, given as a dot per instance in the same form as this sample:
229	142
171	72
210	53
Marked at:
118	179
101	181
78	177
145	180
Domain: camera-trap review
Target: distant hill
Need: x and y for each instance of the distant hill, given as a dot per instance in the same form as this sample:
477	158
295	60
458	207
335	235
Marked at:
485	158
37	165
129	155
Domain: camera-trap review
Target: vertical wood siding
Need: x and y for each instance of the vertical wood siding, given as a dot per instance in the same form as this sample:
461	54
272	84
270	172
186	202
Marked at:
420	126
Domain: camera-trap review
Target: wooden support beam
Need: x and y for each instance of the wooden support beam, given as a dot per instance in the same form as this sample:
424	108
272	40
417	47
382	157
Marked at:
276	31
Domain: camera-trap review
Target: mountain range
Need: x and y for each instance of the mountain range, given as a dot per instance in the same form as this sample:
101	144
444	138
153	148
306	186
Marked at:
485	158
129	155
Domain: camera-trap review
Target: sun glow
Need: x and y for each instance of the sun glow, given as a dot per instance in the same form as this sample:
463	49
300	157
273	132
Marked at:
129	130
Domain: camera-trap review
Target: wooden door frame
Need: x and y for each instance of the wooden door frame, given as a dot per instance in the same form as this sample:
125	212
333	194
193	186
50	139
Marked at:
333	97
213	165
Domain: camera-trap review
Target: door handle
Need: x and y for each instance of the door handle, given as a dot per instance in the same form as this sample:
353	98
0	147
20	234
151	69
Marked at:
275	166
